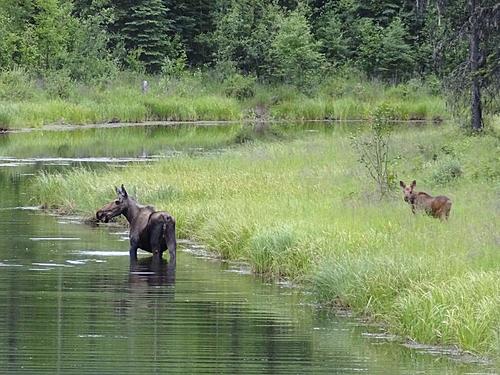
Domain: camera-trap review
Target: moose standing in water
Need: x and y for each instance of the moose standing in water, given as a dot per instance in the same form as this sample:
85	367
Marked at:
150	230
439	206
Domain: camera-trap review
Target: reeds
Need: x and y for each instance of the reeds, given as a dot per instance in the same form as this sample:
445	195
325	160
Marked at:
27	103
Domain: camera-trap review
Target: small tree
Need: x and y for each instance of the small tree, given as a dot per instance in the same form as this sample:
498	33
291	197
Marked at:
243	35
297	55
395	55
374	148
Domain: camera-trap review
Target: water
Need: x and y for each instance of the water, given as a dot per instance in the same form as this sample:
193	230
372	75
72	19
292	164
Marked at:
71	302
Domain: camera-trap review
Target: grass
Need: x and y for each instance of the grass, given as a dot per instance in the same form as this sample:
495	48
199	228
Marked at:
304	209
26	102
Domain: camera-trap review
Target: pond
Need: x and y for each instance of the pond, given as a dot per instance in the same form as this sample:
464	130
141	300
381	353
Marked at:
72	302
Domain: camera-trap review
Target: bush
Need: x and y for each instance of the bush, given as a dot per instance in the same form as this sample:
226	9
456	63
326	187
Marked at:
446	171
58	84
16	84
239	86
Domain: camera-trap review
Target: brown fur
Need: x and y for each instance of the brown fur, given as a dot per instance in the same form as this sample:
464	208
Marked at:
438	207
150	230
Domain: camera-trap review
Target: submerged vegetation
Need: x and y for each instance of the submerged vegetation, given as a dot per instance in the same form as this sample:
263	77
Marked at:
305	209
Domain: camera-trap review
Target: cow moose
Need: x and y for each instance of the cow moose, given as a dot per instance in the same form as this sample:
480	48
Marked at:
150	230
438	207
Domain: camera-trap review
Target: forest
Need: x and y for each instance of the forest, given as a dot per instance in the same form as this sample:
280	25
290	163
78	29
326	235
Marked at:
451	48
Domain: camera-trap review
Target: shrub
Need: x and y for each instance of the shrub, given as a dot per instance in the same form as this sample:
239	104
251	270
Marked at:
446	171
374	149
239	86
15	84
58	84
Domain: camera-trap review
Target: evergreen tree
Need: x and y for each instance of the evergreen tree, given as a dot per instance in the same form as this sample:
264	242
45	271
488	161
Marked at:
146	32
191	21
296	53
395	57
333	37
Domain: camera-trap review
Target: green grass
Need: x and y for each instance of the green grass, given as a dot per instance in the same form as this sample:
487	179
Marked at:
305	209
24	102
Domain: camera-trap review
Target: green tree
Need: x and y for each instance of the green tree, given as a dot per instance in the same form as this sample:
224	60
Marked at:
244	32
296	53
395	55
333	37
369	37
191	21
145	30
52	28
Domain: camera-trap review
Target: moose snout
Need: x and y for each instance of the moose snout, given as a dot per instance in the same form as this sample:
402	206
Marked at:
101	216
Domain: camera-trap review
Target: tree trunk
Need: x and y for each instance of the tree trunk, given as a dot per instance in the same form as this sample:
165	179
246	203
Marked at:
476	112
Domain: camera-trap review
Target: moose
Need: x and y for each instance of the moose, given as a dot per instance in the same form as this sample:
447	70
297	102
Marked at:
150	230
438	207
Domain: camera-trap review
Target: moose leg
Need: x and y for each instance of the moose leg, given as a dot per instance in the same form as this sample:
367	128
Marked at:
133	248
171	240
155	239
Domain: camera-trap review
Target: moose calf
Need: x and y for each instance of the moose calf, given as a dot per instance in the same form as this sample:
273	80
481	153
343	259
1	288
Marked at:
439	206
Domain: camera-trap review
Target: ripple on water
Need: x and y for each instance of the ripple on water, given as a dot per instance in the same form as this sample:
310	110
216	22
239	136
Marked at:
54	239
101	253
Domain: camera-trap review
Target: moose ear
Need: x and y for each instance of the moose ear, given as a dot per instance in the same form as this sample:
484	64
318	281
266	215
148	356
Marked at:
414	183
117	191
124	192
402	184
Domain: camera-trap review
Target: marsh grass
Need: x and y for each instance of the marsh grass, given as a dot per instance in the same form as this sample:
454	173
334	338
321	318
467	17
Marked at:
25	102
304	209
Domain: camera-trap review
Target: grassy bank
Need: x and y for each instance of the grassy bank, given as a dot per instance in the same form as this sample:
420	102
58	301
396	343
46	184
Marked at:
304	209
26	102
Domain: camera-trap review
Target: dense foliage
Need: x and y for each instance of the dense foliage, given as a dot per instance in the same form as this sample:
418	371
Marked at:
293	42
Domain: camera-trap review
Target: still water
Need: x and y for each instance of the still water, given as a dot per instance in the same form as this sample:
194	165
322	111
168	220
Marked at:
71	302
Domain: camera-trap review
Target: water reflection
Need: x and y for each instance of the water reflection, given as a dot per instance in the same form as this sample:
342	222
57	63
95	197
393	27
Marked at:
153	271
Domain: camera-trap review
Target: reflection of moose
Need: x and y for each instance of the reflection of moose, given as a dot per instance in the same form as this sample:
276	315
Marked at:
150	230
439	206
152	270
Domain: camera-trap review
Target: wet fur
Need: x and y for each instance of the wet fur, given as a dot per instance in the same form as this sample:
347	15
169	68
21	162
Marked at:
150	230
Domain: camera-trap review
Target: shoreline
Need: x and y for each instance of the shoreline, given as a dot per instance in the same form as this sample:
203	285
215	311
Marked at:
116	125
450	352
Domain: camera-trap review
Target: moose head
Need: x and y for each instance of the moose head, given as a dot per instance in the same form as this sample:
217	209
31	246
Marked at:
117	207
408	191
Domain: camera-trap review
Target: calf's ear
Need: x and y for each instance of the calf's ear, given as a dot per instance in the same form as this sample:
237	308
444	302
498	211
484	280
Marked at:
413	184
402	184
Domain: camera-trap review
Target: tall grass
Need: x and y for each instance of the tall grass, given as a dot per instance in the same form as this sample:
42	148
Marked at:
25	102
305	209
